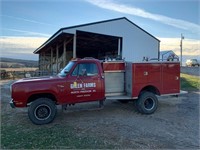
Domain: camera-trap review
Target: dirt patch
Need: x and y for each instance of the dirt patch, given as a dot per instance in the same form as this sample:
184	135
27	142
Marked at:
175	124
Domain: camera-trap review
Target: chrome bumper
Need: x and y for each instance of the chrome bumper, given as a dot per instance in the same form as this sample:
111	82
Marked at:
12	104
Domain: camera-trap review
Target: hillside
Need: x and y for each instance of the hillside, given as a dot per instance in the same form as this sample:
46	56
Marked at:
17	63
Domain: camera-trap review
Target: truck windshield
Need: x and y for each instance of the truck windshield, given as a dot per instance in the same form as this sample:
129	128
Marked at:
66	70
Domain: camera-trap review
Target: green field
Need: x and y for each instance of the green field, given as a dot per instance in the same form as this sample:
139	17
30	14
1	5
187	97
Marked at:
189	82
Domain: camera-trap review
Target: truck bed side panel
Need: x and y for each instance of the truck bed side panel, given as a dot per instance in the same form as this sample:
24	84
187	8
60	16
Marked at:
164	77
171	78
144	75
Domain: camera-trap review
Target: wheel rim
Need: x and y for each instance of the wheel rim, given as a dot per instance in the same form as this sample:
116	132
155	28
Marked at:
42	112
149	104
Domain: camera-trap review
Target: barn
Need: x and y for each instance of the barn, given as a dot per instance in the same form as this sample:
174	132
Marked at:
112	39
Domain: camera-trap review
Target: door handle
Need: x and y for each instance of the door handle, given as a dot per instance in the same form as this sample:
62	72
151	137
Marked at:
61	86
146	73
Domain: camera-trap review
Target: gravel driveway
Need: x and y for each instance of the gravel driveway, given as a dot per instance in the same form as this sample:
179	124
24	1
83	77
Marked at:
175	124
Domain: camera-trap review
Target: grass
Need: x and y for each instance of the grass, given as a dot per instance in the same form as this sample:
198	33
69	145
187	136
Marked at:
57	136
189	82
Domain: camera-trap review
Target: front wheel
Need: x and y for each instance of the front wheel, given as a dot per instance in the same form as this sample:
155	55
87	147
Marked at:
147	103
42	111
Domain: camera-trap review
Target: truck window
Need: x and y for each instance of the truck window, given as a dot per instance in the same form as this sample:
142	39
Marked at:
66	70
85	69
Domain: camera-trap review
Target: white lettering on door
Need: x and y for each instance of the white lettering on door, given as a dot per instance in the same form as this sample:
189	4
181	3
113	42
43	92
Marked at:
76	85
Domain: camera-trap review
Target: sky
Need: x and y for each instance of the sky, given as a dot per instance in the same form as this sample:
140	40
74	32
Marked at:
27	24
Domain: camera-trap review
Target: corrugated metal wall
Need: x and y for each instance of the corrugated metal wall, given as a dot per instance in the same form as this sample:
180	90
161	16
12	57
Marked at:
136	43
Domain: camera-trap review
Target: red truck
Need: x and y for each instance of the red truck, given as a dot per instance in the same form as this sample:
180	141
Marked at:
86	80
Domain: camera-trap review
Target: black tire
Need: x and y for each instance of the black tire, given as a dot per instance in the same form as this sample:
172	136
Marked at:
123	101
42	111
147	103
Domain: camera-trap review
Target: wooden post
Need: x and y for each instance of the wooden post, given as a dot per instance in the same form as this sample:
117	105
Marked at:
64	53
51	69
40	61
57	48
44	63
74	46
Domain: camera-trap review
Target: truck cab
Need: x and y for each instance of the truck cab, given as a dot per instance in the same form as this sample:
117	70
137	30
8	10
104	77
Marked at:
84	81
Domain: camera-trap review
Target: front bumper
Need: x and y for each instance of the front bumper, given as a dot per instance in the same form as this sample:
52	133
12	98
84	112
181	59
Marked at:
12	104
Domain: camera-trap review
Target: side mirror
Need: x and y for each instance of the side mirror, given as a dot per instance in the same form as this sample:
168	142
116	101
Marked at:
66	71
102	76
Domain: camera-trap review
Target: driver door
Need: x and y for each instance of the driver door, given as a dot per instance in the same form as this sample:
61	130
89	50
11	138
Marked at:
85	83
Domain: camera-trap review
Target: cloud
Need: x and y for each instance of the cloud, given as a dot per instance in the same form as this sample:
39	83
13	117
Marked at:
23	47
20	47
27	20
111	5
190	47
29	33
21	42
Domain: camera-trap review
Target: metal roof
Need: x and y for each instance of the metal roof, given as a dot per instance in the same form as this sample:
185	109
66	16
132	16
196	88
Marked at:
60	31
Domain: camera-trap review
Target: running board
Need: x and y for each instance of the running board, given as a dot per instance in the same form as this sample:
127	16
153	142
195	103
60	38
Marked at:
120	97
175	94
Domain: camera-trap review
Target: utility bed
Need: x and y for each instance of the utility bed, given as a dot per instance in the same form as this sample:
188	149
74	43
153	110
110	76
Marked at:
129	79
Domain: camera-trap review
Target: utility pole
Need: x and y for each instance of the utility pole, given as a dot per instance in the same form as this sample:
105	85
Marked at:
181	45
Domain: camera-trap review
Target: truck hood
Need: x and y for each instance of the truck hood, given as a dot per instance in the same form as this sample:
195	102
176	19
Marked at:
38	79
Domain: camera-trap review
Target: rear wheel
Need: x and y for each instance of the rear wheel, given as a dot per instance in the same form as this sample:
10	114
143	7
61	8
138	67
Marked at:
42	111
147	103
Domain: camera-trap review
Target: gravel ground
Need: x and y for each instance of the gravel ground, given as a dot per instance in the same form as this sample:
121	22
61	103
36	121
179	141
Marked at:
175	124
